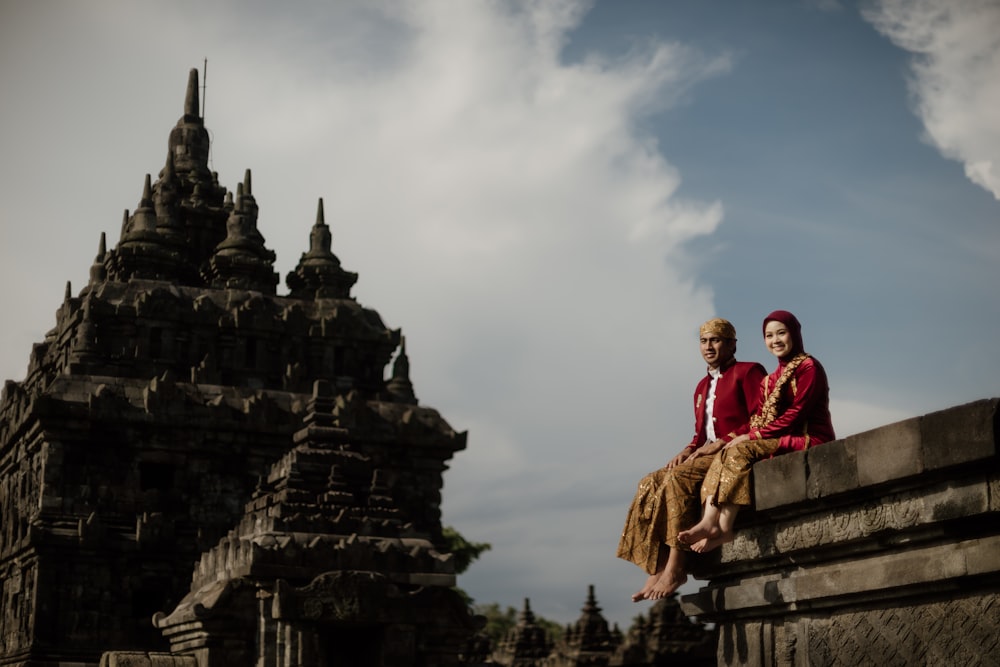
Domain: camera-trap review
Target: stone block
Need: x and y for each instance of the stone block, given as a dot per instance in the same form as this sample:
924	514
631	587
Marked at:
740	644
780	481
955	499
907	568
982	556
125	659
958	435
888	453
701	602
832	468
752	592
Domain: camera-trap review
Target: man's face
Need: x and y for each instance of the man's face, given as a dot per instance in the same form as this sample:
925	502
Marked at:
717	351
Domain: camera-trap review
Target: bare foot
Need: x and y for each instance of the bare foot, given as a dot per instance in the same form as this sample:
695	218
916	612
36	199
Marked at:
707	544
648	586
668	582
699	531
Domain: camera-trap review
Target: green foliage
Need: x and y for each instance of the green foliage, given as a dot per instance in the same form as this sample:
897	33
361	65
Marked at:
499	622
463	551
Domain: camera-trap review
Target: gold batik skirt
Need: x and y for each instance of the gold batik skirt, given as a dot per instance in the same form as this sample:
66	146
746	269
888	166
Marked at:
728	478
665	503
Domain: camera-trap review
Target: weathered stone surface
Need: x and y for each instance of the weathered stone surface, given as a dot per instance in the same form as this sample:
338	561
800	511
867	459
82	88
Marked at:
780	481
133	659
960	435
889	452
832	468
885	568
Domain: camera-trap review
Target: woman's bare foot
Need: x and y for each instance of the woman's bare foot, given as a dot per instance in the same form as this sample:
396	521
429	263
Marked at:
643	592
666	585
700	531
707	544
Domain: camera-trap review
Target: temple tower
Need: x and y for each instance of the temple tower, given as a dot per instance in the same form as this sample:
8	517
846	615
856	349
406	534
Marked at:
181	411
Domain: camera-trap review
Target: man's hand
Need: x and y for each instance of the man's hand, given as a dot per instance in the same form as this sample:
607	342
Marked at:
709	449
679	459
738	439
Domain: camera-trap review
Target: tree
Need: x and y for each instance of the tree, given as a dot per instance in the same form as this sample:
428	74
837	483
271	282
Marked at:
499	622
463	551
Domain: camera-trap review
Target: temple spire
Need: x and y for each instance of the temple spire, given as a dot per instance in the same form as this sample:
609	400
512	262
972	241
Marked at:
399	385
189	141
525	643
242	260
98	274
319	272
191	102
144	218
320	239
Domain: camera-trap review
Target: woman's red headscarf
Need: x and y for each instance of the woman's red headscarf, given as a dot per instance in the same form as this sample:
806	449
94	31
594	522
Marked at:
794	328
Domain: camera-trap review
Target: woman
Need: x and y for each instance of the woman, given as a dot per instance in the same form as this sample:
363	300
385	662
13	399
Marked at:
794	414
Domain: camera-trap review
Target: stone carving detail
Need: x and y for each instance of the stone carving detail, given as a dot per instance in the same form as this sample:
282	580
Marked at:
902	571
915	635
897	512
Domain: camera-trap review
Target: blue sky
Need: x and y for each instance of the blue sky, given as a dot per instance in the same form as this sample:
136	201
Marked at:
549	198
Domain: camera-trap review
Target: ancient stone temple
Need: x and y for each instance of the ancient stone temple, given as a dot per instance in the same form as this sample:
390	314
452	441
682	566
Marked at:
527	644
665	636
199	471
589	641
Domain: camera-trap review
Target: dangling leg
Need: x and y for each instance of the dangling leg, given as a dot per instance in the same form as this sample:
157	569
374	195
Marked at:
682	494
672	578
707	528
661	564
726	522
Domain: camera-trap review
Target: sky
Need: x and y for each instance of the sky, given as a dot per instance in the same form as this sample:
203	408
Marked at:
549	197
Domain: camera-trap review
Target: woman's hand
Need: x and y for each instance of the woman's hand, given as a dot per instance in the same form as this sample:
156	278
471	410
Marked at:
738	440
709	449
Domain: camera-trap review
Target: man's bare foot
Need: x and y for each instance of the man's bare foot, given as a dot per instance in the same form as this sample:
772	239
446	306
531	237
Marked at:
666	585
697	532
648	586
707	544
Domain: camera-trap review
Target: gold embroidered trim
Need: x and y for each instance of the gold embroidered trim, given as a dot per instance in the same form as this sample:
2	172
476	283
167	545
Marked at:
769	410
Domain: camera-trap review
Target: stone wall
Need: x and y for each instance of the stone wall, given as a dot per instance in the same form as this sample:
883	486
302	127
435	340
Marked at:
881	548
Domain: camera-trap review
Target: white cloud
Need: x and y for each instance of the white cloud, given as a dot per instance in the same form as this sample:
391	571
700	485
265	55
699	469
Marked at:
956	75
500	204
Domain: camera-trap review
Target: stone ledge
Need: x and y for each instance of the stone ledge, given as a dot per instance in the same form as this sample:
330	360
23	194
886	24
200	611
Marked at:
892	453
888	453
851	537
137	659
898	516
823	585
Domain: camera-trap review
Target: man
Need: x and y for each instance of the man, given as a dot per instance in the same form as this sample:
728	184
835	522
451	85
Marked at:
668	500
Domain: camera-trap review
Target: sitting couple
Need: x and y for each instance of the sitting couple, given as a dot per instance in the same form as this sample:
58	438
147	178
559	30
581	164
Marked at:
742	415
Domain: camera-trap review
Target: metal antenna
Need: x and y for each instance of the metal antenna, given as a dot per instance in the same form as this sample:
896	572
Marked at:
204	87
204	94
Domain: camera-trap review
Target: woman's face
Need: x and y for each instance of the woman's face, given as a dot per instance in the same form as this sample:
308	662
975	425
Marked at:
778	339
